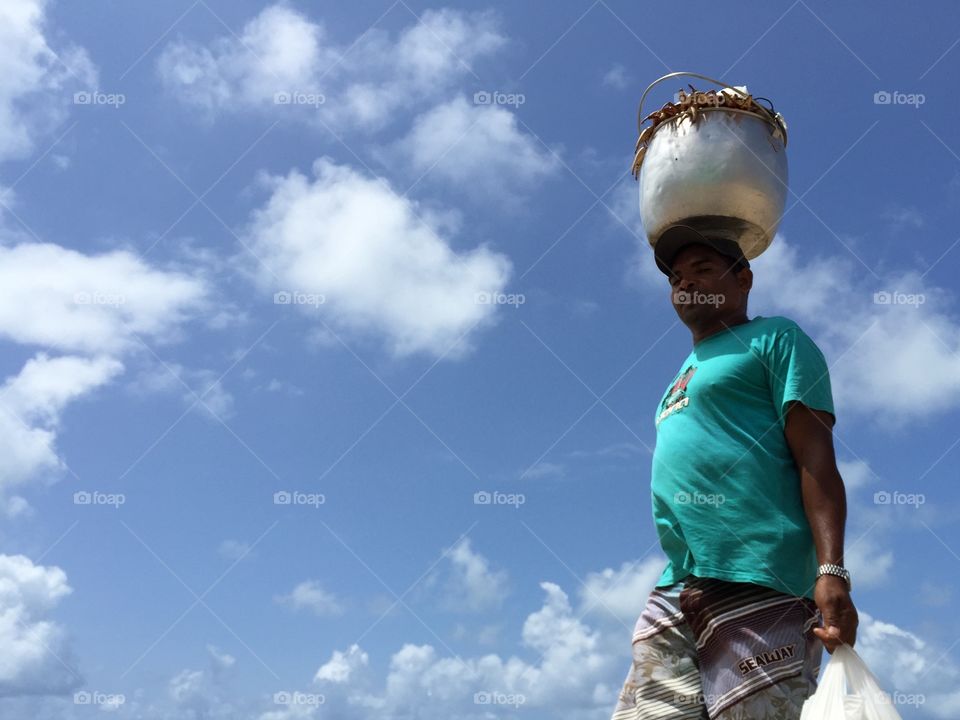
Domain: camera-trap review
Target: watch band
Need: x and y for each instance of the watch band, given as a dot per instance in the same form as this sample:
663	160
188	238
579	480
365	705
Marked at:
834	569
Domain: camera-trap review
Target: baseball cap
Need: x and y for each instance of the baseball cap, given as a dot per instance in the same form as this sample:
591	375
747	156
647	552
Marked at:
676	237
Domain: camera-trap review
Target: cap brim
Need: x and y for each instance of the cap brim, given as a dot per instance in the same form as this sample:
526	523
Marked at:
676	237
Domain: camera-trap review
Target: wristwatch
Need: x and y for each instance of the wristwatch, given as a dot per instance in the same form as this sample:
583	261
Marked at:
833	569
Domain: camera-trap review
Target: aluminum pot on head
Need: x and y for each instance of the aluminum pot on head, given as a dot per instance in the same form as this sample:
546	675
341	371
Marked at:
721	170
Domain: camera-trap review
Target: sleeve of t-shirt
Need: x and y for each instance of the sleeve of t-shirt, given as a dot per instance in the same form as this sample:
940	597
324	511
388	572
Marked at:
798	371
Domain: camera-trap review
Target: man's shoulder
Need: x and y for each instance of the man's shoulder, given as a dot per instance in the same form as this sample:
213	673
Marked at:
774	324
781	332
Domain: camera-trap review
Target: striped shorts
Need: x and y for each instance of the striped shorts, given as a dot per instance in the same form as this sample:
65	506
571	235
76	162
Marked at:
706	648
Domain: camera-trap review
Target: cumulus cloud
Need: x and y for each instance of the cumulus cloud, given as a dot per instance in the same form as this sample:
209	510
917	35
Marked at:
310	595
63	299
277	51
868	561
37	659
38	80
46	385
235	550
623	214
545	469
30	406
908	664
855	473
903	218
568	667
198	387
381	263
205	694
466	582
293	711
895	343
478	148
360	85
616	77
343	666
621	594
91	306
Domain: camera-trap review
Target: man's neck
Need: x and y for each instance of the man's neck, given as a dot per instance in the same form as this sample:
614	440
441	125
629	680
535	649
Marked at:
719	326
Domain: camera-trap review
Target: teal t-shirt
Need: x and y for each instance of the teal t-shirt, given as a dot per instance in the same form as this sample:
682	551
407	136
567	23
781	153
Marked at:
726	493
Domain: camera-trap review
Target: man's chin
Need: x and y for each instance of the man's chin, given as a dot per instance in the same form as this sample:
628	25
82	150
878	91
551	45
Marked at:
700	316
695	313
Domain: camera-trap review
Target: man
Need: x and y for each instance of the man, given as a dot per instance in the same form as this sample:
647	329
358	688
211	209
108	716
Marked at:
748	504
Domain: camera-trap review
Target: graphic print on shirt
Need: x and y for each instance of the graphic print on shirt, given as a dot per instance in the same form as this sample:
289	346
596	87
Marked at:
676	398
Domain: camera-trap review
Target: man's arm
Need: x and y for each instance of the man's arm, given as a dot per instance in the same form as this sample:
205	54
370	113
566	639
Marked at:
810	437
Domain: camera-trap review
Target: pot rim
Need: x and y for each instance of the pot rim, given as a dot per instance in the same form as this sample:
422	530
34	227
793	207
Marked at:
777	130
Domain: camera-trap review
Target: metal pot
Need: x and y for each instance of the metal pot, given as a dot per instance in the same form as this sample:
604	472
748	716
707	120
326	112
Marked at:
724	174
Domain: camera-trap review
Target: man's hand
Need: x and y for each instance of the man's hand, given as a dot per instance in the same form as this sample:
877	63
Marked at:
840	618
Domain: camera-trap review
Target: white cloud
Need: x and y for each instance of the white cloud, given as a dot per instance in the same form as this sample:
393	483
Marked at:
855	473
46	385
280	50
37	659
381	269
220	660
204	693
898	361
38	81
641	272
907	664
480	634
935	594
616	77
545	470
363	84
869	564
215	399
199	388
467	582
30	406
617	451
234	549
60	298
621	594
311	595
572	661
902	218
478	148
92	306
282	386
428	57
293	711
343	666
568	669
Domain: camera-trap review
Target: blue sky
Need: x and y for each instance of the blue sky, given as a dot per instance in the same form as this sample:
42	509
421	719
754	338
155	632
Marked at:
167	168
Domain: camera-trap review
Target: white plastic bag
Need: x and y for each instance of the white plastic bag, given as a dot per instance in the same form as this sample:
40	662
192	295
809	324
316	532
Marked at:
848	691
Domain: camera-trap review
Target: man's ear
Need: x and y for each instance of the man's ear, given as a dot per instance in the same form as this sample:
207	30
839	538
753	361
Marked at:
745	279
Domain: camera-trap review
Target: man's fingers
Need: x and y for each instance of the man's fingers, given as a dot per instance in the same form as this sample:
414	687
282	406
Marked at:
829	645
829	636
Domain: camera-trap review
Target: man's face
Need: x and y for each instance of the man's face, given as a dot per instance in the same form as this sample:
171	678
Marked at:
703	285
